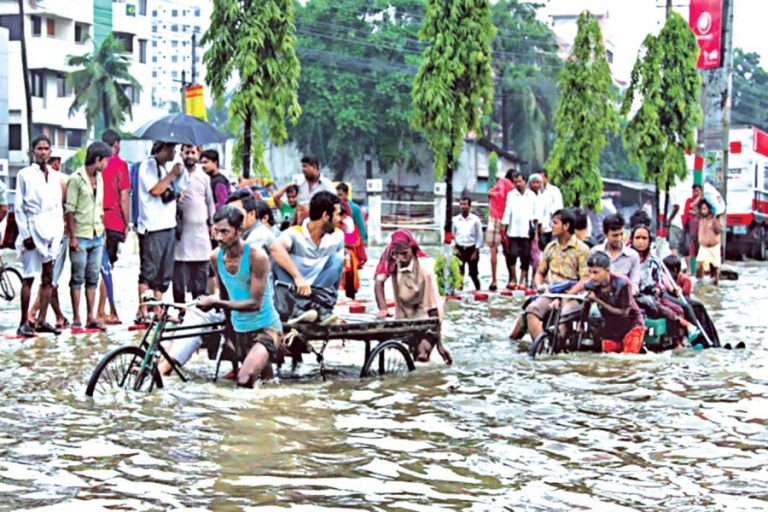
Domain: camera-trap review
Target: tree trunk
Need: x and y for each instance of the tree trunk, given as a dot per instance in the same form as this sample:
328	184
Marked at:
656	208
105	111
666	207
247	141
25	70
448	199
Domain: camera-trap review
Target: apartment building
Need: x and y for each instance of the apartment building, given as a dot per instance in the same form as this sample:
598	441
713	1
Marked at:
177	56
55	30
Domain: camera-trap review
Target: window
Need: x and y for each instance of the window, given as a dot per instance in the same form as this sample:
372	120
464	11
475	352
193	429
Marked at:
62	91
12	22
609	56
175	58
154	59
37	83
197	12
154	14
50	27
75	138
154	74
37	25
174	13
142	7
142	51
154	29
133	94
14	137
174	44
174	74
126	39
174	28
81	33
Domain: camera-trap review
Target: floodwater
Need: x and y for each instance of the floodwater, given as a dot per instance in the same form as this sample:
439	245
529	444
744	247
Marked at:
677	431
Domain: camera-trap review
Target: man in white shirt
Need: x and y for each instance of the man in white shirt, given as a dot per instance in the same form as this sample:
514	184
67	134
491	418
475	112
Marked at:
468	239
263	234
677	196
156	224
518	223
552	202
38	209
313	181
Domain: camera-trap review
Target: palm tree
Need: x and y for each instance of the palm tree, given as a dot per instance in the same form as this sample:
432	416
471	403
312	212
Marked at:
100	84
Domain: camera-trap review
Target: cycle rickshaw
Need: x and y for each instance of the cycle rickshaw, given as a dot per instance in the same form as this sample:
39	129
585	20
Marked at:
388	344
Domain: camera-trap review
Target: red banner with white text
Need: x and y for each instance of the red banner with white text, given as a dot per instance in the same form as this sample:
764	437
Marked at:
706	20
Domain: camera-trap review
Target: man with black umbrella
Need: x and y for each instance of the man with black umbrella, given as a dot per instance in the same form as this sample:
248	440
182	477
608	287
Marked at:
156	224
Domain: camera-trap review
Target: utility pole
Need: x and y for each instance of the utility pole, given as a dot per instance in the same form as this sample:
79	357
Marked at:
713	137
194	51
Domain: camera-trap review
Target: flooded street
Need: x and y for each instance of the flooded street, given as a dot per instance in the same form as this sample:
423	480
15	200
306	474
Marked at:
678	431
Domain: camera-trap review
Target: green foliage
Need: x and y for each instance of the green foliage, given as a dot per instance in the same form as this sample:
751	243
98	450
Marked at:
98	84
453	89
665	80
493	168
750	90
585	116
525	59
456	281
75	161
358	60
255	41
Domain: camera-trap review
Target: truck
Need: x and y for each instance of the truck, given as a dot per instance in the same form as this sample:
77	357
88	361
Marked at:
747	197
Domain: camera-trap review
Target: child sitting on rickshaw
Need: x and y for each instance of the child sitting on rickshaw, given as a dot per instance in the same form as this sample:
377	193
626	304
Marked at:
623	326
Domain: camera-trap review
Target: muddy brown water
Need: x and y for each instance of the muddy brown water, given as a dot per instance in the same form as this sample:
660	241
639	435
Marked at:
679	431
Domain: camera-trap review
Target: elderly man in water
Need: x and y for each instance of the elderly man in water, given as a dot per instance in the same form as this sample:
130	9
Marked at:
415	289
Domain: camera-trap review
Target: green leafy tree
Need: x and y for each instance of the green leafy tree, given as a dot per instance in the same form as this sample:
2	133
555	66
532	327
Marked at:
453	89
668	86
100	84
493	168
358	60
585	116
526	67
750	90
254	40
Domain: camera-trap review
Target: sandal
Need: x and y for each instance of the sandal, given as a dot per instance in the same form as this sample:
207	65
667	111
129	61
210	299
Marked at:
64	324
493	288
96	325
78	325
141	320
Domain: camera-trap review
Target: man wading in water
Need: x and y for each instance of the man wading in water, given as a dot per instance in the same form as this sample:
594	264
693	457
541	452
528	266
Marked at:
245	289
415	288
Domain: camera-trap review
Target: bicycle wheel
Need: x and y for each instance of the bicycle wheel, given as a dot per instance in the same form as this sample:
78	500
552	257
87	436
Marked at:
388	358
10	283
120	369
542	345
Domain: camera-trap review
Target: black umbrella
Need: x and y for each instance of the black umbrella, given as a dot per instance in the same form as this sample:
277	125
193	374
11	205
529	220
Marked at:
181	129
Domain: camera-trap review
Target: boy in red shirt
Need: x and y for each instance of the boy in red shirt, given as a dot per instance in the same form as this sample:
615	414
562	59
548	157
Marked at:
612	293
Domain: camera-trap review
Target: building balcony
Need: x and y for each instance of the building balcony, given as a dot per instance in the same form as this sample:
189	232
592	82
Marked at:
53	52
65	9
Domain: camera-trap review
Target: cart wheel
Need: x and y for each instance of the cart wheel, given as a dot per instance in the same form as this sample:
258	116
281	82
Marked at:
542	345
120	370
10	283
388	358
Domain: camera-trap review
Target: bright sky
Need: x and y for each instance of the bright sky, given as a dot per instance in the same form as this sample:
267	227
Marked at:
630	21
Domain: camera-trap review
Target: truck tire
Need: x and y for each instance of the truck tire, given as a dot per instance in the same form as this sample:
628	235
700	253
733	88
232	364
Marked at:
762	250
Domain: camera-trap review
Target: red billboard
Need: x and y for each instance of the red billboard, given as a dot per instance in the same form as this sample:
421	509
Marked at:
706	20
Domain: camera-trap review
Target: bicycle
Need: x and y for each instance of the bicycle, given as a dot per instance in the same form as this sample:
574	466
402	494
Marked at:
136	367
10	281
551	341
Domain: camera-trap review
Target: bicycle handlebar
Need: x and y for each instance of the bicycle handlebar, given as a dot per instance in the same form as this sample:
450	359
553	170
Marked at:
580	296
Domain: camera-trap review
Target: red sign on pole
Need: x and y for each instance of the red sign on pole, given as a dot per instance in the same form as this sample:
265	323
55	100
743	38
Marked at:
706	19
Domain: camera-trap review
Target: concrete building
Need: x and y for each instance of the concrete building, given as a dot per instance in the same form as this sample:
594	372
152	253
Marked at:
177	57
55	30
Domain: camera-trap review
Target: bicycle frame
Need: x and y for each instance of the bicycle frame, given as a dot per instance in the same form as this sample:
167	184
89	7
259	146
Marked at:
158	329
